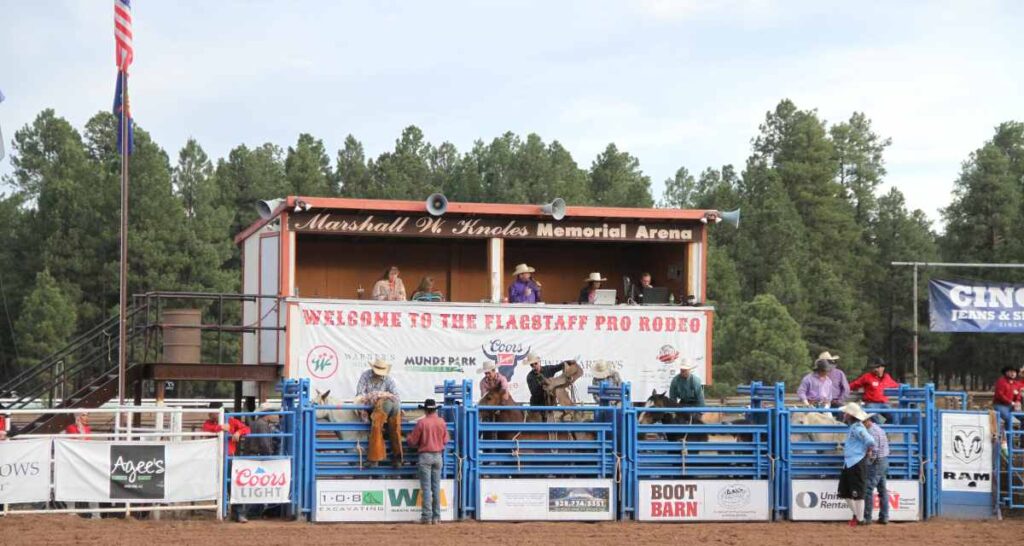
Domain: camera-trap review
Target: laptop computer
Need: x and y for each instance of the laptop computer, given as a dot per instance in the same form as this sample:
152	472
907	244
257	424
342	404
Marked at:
655	295
604	297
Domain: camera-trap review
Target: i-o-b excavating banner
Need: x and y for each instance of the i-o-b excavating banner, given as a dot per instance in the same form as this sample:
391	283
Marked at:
976	306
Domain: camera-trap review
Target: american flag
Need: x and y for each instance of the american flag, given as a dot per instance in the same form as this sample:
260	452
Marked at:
123	34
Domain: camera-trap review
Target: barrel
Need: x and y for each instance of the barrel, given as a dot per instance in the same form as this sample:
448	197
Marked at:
182	345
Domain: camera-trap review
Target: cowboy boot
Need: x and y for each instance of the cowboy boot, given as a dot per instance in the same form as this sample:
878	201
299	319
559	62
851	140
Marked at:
395	437
376	451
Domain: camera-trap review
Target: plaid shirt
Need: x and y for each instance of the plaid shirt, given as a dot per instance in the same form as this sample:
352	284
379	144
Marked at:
370	382
881	441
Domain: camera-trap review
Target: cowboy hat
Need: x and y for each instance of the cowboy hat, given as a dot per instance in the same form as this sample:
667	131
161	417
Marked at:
854	410
827	356
380	366
1005	369
878	418
268	407
594	277
428	404
686	364
523	268
601	369
877	362
489	366
821	365
531	358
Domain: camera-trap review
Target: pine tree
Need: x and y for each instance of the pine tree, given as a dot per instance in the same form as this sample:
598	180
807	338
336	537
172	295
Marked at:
47	321
308	169
617	181
760	342
352	173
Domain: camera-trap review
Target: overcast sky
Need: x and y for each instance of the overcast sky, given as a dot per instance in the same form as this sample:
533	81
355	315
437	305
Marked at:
676	83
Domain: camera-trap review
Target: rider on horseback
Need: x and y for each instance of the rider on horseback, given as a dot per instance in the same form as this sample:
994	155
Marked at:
686	389
493	381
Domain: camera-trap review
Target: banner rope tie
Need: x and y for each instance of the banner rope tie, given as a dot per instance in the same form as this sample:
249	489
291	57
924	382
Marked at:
515	452
359	451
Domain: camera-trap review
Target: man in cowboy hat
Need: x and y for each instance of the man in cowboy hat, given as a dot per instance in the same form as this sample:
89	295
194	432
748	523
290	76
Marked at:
840	386
429	437
589	291
493	380
816	388
874	382
601	372
1006	397
858	450
535	379
524	289
379	391
686	388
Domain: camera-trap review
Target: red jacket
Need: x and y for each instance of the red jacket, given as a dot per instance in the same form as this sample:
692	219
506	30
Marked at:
234	425
874	387
1007	392
73	429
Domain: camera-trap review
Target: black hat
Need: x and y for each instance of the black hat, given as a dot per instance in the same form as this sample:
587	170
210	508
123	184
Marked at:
1007	369
821	366
876	362
429	404
216	405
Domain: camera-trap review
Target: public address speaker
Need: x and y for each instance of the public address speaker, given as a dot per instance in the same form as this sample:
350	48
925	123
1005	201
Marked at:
555	209
266	207
437	204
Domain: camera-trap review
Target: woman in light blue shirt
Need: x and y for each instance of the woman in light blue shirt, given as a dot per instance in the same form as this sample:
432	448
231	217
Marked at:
857	452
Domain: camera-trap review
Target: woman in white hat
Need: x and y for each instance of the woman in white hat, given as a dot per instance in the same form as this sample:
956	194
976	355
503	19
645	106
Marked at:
524	288
858	450
602	371
589	290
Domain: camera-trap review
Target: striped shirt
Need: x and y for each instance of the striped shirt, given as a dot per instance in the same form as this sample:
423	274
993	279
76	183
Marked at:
881	441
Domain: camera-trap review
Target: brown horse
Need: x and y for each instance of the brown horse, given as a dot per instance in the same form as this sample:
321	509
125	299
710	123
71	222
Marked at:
514	414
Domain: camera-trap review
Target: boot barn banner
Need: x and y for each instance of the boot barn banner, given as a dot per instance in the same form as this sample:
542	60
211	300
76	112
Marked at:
332	344
969	306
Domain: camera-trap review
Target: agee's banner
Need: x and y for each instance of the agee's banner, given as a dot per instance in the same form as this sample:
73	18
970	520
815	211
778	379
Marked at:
332	343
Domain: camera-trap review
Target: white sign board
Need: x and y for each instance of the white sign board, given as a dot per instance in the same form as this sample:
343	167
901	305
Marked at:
531	499
966	452
261	481
818	500
25	471
94	471
332	343
703	500
377	500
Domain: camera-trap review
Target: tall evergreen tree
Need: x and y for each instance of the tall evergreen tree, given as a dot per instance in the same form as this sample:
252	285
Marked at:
47	321
616	180
308	169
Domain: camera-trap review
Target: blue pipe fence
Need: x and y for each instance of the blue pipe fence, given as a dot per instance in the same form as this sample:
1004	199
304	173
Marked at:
631	447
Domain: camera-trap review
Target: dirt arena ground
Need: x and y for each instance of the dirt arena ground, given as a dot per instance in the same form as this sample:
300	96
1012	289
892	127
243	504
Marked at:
66	529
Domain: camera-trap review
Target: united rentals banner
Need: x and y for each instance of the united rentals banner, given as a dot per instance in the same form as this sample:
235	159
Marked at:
332	344
817	500
261	481
704	500
377	500
970	306
25	471
531	499
966	452
92	471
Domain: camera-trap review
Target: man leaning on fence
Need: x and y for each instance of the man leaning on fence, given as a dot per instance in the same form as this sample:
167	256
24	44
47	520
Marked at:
878	467
429	437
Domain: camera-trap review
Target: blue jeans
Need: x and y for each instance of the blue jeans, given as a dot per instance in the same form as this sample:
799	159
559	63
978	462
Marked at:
1004	412
429	471
876	480
868	406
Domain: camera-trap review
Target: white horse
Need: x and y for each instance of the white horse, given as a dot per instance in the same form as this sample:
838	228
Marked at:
819	419
341	416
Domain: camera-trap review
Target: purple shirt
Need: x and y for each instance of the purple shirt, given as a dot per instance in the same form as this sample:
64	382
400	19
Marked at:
840	386
487	384
523	292
815	389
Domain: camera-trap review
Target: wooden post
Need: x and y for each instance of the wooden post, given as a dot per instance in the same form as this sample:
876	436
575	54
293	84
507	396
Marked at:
495	268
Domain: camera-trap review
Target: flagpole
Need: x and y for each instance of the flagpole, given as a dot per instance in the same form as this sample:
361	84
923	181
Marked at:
122	337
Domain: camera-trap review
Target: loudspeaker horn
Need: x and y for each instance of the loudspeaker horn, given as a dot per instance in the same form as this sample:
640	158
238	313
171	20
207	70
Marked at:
555	209
731	217
437	204
266	208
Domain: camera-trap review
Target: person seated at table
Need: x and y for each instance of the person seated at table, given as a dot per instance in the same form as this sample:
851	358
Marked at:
637	289
524	289
589	291
425	291
389	287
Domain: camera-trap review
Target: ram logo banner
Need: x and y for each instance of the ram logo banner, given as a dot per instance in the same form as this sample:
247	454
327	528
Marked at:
974	306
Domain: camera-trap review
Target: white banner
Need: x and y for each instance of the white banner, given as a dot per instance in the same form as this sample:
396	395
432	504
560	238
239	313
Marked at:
817	500
377	500
261	481
703	500
91	471
966	452
25	471
531	499
333	343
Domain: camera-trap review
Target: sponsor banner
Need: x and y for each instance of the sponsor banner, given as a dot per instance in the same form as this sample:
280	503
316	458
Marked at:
966	452
261	481
377	500
93	471
570	499
25	471
975	306
332	344
704	500
817	500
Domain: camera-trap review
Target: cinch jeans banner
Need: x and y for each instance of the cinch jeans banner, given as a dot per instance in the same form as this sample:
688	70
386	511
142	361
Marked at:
333	343
974	306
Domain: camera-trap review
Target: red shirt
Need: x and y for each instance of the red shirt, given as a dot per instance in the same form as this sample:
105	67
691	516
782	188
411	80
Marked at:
234	425
3	424
429	435
1007	392
874	387
74	429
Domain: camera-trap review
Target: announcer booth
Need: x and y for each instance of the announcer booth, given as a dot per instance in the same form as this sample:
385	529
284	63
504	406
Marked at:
323	256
